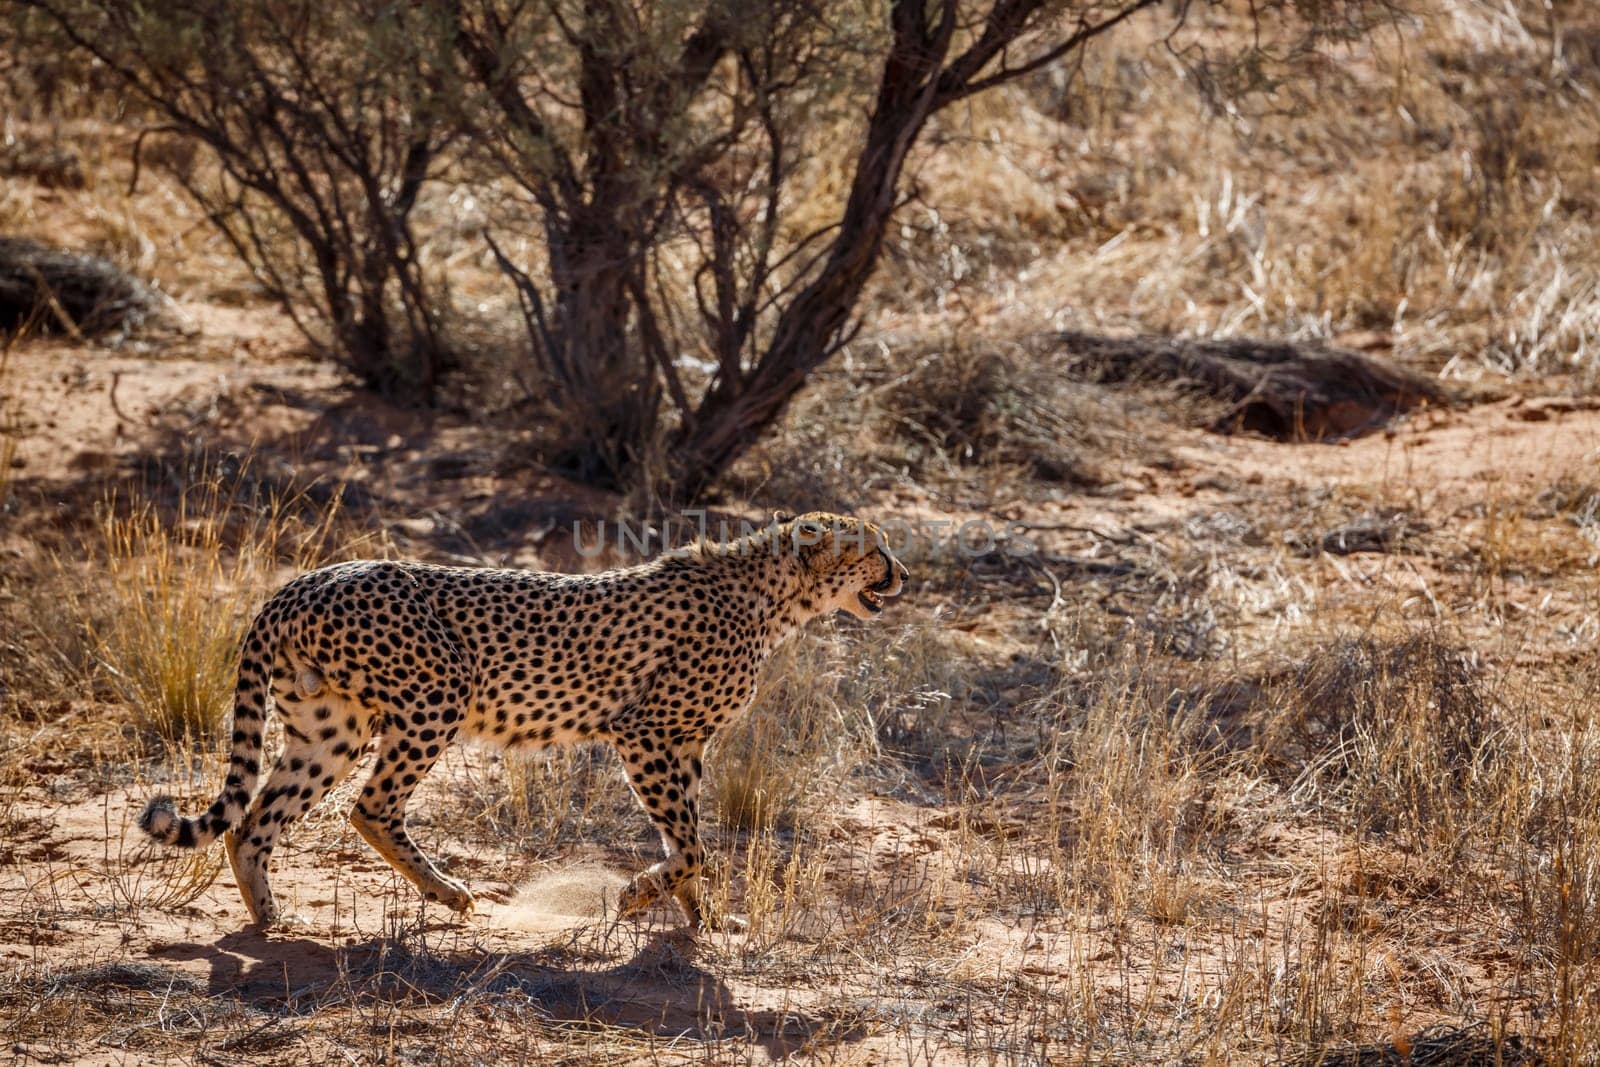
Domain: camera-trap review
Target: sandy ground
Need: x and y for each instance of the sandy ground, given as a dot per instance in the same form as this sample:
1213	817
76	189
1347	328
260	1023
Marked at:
78	885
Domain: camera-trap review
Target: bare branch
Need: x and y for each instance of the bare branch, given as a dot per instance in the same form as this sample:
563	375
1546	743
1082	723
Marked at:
956	83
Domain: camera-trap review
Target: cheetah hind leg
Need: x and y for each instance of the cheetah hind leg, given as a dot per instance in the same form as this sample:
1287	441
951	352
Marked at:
304	774
242	875
394	844
380	815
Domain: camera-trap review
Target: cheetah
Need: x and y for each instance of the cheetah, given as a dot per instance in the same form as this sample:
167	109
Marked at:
652	659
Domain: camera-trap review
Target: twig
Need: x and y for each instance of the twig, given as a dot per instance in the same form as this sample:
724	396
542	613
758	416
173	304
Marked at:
116	379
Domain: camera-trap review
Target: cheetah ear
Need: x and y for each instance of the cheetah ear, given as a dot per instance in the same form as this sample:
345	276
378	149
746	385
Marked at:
781	517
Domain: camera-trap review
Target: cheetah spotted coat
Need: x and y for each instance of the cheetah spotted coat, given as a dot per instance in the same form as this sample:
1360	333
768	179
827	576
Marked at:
652	658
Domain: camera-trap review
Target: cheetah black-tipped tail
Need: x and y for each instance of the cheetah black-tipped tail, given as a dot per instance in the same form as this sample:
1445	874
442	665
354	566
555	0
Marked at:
161	818
162	822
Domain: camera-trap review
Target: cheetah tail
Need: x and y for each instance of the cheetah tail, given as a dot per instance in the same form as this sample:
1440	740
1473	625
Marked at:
161	819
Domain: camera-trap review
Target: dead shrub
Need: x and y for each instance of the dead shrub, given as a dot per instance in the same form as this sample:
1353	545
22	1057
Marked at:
1291	391
978	407
54	291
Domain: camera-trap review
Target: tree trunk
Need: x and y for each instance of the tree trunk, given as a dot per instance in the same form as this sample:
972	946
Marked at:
732	416
596	357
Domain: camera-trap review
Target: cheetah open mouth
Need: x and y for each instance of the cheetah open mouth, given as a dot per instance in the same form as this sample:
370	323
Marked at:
870	600
872	596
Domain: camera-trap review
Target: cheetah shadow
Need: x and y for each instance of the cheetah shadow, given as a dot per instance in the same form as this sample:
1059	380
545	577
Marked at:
659	990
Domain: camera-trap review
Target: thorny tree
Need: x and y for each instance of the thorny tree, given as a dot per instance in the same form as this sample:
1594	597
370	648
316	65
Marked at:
679	271
679	306
324	122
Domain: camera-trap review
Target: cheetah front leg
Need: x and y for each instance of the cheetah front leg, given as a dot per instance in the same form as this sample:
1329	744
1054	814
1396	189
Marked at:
667	783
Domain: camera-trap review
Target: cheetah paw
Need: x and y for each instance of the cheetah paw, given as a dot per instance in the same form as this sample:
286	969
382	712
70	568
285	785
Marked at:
284	922
638	895
455	897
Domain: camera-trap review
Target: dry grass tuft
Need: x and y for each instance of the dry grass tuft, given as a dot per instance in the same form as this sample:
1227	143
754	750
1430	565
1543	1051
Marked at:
179	586
543	800
1555	809
1117	782
973	406
1401	736
800	740
986	418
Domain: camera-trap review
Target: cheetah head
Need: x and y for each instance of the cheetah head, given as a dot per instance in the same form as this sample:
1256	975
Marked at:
847	562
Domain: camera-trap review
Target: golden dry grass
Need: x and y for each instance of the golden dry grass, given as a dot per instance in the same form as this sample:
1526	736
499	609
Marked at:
1429	188
173	588
964	851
